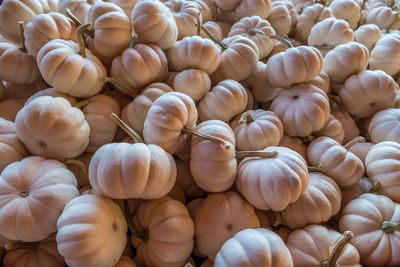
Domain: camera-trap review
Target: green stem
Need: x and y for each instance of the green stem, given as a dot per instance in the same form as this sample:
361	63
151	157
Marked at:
255	31
72	18
214	38
21	34
198	23
79	37
208	137
260	154
134	135
375	187
22	245
313	169
122	85
132	43
354	141
337	250
389	227
246	118
141	234
396	19
282	40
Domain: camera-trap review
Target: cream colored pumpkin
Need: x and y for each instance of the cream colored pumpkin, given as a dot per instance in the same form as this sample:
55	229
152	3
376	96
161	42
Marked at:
134	114
126	5
9	108
79	8
53	93
84	219
295	65
368	92
194	53
333	128
213	28
219	218
154	23
68	72
185	179
212	165
385	126
112	31
17	66
322	81
227	99
44	253
384	17
346	10
266	183
46	27
374	239
257	129
254	247
42	187
64	132
368	35
386	54
121	171
280	18
361	150
345	60
194	83
98	115
350	128
335	160
208	10
295	144
13	11
318	204
302	108
314	245
169	232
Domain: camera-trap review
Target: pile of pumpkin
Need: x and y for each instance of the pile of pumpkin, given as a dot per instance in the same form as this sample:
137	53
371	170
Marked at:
199	132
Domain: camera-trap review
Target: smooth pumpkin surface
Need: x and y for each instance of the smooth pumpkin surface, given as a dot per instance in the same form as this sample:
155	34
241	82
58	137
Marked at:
385	126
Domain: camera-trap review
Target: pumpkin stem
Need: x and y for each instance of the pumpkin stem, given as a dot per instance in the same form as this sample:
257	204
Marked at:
389	227
336	99
214	38
278	219
375	187
71	17
363	5
355	140
337	250
313	169
141	234
79	33
198	23
21	34
261	154
396	19
307	139
282	40
83	189
122	85
22	245
134	135
254	31
90	2
246	118
79	164
208	137
188	265
133	42
81	103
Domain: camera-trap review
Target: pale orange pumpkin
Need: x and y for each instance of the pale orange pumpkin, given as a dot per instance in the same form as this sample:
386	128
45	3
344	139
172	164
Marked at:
361	150
333	128
9	108
384	17
79	8
346	10
280	18
384	126
185	179
295	144
385	55
368	35
349	125
194	83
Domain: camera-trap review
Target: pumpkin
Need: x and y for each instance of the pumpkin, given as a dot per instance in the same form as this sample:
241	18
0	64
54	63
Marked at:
280	18
219	218
135	113
333	128
384	17
53	93
322	190
39	185
111	29
11	148
254	247
185	179
125	262
303	109
208	10
322	81
386	54
257	129
9	108
213	28
46	27
243	9
381	163
345	60
166	233
295	144
316	245
18	91
361	150
258	30
368	92
154	23
43	253
78	8
227	99
368	35
84	219
335	160
126	5
375	227
273	183
194	83
98	115
194	53
13	11
384	126
349	125
346	10
295	65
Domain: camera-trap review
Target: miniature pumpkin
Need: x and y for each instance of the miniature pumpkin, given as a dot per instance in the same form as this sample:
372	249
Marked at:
333	128
368	35
386	54
295	144
346	10
53	93
280	18
384	17
349	125
213	28
194	83
361	150
9	108
185	179
79	8
384	126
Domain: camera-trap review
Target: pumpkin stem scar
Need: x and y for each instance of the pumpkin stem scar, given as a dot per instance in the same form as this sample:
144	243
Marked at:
282	40
352	142
260	154
134	135
214	38
389	227
254	31
141	234
79	36
337	250
246	118
21	34
22	245
71	17
122	85
208	137
375	187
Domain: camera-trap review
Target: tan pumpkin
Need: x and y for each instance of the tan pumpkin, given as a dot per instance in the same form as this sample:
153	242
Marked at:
194	53
295	65
265	183
168	235
318	204
368	35
185	179
213	28
9	108
11	148
377	241
46	27
386	54
333	128
295	144
227	99
39	185
64	132
346	10
302	108
257	129
384	17
384	126
177	193
84	219
111	29
139	66
43	253
194	83
349	125
125	262
154	23
322	81
335	160
316	245
17	91
208	10
219	218
98	115
53	93
345	60
79	8
368	92
280	18
126	5
258	247
361	150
